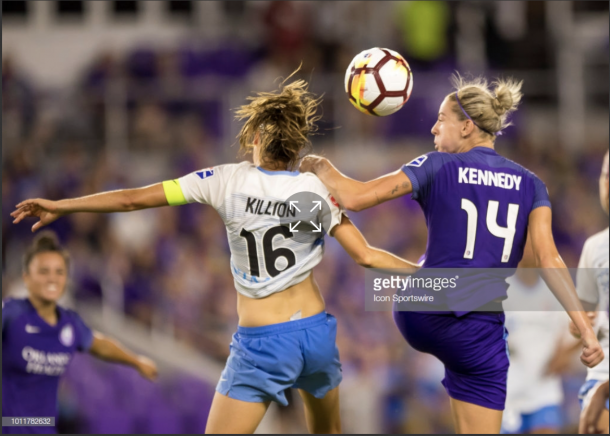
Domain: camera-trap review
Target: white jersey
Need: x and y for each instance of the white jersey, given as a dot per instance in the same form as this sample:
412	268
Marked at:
592	286
267	254
533	337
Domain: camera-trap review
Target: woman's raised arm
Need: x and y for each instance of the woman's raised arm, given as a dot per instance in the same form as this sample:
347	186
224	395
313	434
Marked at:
352	194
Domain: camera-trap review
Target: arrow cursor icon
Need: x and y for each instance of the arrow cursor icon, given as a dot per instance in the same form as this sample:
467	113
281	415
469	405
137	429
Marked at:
294	229
317	230
292	205
317	204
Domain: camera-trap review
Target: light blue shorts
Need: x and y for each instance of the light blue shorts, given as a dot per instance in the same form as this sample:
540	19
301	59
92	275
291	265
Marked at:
265	361
549	417
587	390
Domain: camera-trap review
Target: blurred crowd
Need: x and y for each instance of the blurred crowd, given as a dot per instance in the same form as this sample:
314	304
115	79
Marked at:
172	264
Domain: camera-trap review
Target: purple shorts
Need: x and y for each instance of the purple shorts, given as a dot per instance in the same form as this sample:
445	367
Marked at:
473	349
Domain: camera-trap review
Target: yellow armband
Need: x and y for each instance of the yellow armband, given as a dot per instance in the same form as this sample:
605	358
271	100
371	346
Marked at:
173	193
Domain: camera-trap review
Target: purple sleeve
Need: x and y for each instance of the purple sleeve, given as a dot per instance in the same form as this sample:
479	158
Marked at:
84	335
541	195
11	309
421	173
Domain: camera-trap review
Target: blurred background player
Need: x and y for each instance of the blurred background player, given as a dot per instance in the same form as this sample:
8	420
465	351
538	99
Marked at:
540	352
449	183
39	338
592	285
285	338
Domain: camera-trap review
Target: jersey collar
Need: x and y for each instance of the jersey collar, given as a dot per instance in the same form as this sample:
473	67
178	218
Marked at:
46	324
279	173
483	149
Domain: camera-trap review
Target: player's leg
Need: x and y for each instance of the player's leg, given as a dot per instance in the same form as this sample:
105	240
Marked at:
474	350
603	422
263	363
319	382
584	397
230	416
323	415
472	419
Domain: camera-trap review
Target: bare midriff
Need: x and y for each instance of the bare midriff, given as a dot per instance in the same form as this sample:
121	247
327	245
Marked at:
280	307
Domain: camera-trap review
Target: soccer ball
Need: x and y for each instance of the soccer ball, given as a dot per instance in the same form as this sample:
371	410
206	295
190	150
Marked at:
378	81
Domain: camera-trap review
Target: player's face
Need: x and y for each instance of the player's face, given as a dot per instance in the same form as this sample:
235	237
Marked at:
447	130
46	276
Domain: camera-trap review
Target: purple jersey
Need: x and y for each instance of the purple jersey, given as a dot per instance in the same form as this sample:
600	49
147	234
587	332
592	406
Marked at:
34	356
477	205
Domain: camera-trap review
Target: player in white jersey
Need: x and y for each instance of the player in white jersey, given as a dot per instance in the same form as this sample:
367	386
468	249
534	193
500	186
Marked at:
592	286
276	219
540	349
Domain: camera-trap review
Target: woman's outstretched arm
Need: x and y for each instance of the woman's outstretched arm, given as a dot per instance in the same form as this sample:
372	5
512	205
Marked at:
124	200
109	350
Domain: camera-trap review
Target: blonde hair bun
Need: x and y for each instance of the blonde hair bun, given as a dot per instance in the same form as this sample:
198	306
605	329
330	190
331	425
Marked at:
488	109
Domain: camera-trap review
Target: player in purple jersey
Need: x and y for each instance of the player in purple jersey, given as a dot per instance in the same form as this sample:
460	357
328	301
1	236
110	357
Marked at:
479	208
39	339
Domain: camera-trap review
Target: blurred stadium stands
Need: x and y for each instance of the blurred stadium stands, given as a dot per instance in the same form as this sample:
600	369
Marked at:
107	95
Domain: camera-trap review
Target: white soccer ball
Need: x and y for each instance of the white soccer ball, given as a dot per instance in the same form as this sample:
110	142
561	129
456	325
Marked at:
378	81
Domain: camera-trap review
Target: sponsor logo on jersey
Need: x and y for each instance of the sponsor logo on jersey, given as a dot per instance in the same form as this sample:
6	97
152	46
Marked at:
44	363
66	336
475	176
333	201
31	329
204	174
418	162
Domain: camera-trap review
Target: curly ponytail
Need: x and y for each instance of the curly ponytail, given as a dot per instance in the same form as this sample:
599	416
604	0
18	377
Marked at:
284	119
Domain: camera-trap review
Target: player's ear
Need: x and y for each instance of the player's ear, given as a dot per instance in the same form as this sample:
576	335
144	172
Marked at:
467	128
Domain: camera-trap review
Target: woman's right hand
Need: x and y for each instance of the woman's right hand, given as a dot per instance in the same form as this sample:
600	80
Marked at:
147	368
592	352
46	210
